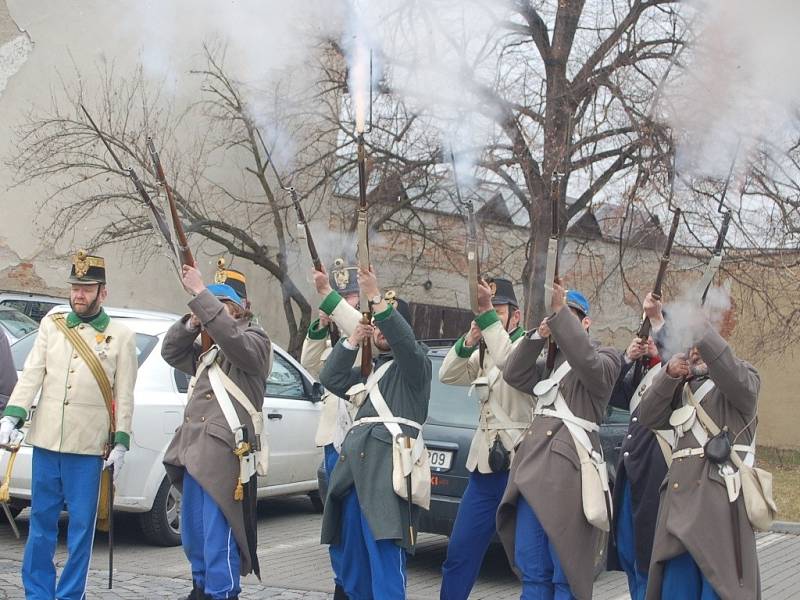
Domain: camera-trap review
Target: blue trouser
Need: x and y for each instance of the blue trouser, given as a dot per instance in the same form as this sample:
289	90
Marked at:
472	533
208	542
626	546
535	557
58	479
370	568
335	550
683	579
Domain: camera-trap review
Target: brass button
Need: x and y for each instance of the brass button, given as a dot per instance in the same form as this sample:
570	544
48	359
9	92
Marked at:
202	418
72	370
208	396
74	356
635	419
675	485
629	436
69	386
626	454
66	402
363	455
549	433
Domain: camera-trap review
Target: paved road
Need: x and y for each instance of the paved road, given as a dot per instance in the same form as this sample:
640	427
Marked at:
295	566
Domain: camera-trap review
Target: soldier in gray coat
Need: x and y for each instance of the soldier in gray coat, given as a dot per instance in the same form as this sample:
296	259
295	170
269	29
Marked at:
695	547
362	511
8	374
541	519
218	525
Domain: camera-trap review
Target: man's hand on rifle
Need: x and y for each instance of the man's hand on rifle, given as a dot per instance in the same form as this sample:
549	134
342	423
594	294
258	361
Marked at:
321	281
652	309
368	281
324	319
474	336
636	349
559	299
192	280
7	427
678	366
116	458
544	329
361	333
484	297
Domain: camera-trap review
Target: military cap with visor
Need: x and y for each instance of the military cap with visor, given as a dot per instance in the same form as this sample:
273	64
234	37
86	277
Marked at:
343	278
502	291
87	269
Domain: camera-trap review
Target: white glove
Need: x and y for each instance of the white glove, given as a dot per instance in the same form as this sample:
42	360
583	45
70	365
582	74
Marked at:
7	426
116	459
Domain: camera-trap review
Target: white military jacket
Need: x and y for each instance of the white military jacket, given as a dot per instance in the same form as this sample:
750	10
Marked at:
71	414
461	366
335	418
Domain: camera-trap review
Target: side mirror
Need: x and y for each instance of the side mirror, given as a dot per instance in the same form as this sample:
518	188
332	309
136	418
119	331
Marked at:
316	391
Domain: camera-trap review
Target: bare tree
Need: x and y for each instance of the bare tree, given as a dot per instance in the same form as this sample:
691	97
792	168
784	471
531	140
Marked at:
247	216
571	92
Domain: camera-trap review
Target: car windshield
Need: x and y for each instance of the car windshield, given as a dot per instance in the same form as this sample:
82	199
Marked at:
450	404
17	323
21	349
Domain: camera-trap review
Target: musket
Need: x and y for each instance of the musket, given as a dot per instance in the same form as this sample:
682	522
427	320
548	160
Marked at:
363	252
157	217
551	269
304	232
183	252
645	327
716	258
473	257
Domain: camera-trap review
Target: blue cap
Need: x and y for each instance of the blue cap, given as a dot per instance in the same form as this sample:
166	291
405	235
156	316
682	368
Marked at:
225	292
578	301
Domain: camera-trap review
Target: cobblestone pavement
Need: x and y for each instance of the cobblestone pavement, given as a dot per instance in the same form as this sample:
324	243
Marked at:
295	566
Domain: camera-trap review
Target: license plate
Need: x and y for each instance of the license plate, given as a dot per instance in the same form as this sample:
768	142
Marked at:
440	460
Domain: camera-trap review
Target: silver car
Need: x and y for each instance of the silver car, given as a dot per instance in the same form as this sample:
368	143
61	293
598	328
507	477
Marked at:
291	407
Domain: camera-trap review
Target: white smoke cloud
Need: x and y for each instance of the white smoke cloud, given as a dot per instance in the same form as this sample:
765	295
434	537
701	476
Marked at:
740	84
686	318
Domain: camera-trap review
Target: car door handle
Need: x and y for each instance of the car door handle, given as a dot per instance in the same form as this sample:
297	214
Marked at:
274	416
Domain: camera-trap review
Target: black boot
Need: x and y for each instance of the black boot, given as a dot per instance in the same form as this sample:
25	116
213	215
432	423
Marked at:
338	593
196	593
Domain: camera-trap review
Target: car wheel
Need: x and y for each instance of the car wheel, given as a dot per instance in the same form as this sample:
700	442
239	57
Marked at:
162	525
316	501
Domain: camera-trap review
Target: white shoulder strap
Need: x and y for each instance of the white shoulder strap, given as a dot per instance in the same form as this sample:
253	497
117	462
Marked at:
644	384
561	372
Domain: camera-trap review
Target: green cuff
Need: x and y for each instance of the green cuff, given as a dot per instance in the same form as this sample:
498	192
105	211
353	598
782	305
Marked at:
486	319
464	351
123	438
330	302
315	332
16	411
382	316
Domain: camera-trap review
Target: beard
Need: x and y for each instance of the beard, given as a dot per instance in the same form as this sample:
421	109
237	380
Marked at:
382	345
89	310
699	370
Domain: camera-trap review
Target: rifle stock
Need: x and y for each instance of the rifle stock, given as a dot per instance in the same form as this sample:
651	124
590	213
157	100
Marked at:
363	252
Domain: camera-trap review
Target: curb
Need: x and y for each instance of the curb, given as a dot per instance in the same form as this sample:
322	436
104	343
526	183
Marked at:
791	527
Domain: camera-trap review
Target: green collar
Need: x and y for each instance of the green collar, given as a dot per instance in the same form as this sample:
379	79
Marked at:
100	322
517	333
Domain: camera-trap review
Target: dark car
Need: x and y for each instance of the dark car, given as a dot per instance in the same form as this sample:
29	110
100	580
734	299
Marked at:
448	431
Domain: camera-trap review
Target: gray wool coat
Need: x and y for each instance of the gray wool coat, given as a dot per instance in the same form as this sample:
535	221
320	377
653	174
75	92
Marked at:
203	445
546	468
694	515
366	457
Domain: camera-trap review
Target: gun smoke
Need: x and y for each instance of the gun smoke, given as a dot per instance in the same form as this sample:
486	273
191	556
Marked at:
686	318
